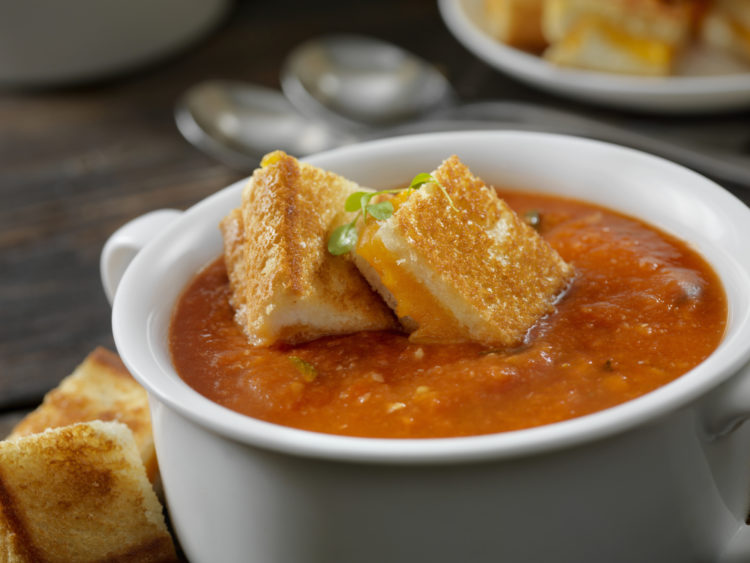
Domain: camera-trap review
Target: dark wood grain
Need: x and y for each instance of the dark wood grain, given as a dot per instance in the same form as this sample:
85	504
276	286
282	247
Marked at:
77	163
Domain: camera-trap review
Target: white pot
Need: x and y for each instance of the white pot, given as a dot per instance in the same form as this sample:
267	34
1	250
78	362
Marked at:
662	478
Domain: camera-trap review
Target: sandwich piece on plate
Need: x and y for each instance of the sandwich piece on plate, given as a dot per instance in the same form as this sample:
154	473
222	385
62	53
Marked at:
79	493
101	388
457	264
517	23
286	286
727	26
642	37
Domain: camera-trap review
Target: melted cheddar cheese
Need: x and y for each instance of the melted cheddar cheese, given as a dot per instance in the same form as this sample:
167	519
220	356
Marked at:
415	301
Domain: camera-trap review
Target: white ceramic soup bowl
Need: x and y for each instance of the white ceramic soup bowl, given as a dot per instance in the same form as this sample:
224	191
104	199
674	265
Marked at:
52	43
662	478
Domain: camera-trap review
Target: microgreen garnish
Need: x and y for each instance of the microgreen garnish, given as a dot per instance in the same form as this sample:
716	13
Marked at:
425	178
381	210
344	238
306	369
420	180
358	200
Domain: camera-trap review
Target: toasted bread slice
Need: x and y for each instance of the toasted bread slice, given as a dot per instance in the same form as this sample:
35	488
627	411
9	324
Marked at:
286	286
101	388
619	36
663	20
516	22
727	27
476	272
79	494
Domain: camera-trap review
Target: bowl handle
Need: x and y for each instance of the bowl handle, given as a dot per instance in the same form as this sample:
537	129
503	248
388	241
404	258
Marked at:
125	243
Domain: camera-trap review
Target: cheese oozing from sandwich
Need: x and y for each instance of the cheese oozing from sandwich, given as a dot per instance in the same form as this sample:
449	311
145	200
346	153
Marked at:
461	266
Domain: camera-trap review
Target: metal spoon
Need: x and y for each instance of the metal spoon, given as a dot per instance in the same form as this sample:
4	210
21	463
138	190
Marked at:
362	84
237	123
356	81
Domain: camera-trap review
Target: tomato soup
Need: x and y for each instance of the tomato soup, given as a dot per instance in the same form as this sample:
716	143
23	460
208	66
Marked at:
642	310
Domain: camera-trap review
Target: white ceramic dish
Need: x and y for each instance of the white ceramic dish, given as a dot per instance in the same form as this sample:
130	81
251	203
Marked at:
706	81
47	43
661	478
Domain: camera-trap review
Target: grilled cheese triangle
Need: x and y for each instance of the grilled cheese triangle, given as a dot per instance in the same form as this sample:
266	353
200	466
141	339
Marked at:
516	22
476	273
727	27
286	286
595	45
79	493
101	388
620	36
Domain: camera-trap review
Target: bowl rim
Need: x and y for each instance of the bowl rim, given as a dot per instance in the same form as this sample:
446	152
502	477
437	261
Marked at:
139	349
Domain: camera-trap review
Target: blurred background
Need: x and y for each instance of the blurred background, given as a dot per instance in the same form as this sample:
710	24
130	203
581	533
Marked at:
81	156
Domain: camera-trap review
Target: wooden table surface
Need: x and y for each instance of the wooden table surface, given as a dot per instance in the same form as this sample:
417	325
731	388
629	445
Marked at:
76	163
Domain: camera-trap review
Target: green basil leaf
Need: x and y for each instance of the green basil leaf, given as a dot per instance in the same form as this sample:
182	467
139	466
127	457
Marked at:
343	239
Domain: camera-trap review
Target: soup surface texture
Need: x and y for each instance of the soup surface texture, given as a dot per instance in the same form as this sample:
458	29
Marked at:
642	310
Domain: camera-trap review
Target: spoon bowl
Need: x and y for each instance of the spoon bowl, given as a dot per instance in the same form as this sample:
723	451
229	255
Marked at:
357	81
238	123
360	84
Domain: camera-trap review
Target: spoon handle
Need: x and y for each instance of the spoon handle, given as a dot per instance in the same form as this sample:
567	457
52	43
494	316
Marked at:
726	164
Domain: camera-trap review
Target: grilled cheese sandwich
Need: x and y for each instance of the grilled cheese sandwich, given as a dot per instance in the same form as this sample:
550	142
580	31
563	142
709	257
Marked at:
621	36
286	286
516	23
727	27
101	388
79	493
457	264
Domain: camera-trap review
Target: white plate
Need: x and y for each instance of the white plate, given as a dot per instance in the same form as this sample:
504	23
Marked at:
705	81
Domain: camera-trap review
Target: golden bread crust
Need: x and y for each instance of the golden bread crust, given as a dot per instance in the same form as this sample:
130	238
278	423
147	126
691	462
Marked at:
79	493
664	20
100	388
491	276
516	22
726	26
286	285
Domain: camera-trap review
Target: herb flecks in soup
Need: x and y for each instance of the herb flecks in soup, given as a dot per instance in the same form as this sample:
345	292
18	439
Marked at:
642	310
